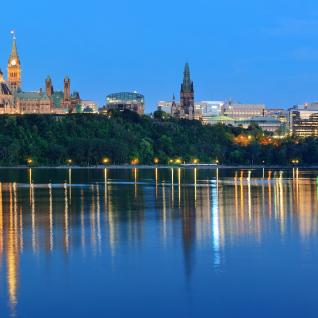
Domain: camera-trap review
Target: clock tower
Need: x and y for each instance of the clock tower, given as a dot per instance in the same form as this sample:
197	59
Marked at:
14	68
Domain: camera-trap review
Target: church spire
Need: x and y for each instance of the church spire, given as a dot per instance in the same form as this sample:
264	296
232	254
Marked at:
187	94
187	85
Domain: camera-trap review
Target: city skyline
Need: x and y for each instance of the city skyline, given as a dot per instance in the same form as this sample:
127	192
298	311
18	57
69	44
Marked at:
264	55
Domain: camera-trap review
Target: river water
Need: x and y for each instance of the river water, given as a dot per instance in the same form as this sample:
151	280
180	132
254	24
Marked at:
158	243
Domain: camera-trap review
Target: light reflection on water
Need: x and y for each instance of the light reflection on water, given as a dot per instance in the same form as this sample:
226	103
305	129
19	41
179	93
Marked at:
57	214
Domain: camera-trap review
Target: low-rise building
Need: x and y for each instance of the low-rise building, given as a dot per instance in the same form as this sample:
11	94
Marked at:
239	111
166	106
126	101
210	108
32	103
88	106
217	119
266	123
278	113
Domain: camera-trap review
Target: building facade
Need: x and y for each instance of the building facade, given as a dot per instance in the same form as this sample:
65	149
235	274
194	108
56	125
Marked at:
32	103
88	106
6	97
126	101
303	120
266	123
239	111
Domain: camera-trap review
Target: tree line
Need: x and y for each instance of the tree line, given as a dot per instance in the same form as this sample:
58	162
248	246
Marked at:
123	137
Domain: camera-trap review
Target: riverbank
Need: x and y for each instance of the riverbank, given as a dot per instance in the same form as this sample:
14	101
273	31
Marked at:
202	166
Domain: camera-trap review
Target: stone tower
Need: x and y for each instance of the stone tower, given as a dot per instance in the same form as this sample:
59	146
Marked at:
67	88
187	94
14	68
48	86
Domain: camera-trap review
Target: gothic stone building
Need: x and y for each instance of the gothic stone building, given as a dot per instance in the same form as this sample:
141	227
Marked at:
13	100
186	107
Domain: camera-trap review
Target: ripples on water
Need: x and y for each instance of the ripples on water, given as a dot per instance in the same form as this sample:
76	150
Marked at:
158	243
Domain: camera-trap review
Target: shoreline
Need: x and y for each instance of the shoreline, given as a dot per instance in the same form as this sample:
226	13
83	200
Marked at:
145	167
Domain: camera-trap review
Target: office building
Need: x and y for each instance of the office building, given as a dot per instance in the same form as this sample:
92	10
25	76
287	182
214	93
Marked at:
126	101
239	111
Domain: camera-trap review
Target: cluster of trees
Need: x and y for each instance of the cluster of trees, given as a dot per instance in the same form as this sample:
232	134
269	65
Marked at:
124	136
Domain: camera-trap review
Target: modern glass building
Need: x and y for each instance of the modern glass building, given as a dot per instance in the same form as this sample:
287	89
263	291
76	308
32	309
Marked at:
126	100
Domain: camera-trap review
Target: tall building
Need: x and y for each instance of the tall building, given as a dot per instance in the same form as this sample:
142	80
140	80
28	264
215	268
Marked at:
187	95
14	68
303	120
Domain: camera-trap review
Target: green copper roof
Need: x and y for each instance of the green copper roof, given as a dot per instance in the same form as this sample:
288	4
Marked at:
57	98
219	118
31	96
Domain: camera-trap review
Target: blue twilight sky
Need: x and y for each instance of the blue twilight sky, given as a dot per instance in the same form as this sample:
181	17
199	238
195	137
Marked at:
248	50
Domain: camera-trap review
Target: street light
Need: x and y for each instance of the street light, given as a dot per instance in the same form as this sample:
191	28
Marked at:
105	161
135	161
195	161
69	161
29	161
178	161
156	161
217	161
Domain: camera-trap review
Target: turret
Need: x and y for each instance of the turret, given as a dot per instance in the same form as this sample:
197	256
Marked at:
49	86
67	88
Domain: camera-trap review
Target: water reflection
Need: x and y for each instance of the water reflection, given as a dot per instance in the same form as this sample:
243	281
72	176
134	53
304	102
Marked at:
210	209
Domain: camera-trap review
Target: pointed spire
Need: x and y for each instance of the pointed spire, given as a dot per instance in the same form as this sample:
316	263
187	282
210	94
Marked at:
173	97
1	76
187	85
14	51
187	70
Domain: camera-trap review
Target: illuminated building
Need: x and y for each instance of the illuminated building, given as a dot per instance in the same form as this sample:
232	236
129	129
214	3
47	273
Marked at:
6	97
267	123
209	108
88	106
14	68
215	120
239	111
32	102
278	113
168	106
303	120
13	100
203	110
126	101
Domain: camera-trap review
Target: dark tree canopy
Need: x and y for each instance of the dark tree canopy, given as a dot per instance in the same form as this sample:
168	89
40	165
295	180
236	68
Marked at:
87	138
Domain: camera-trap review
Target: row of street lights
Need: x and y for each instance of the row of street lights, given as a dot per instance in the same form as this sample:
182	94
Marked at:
134	161
156	161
